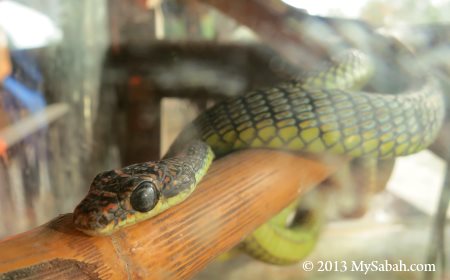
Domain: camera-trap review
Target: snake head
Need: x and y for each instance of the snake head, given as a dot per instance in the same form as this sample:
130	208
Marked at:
119	198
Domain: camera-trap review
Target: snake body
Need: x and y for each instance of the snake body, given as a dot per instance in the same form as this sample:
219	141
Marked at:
325	112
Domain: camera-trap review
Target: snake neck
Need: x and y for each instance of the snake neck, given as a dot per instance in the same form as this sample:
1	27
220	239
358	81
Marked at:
193	153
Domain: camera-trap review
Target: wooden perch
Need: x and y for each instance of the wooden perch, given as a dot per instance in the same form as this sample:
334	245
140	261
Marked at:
241	191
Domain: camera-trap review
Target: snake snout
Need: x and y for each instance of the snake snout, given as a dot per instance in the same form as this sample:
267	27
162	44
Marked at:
81	219
88	217
93	221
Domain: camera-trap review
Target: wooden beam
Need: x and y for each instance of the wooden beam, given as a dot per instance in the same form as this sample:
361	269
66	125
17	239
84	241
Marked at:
230	203
272	27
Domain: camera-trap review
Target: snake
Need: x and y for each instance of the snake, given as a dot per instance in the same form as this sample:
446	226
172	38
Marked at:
324	112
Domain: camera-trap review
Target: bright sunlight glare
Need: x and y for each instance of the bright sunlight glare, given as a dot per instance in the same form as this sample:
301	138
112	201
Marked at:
350	8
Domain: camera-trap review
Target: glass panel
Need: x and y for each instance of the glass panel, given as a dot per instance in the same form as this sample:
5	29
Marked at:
88	86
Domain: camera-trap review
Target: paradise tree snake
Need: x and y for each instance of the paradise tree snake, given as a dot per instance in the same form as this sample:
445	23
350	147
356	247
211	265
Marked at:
322	113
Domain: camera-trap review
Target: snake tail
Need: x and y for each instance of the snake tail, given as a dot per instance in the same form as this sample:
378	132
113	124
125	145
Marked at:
276	242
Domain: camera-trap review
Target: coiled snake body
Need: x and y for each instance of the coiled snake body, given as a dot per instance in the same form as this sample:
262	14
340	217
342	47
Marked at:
323	113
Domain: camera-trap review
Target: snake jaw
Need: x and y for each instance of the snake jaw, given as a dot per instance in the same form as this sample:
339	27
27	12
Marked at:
90	216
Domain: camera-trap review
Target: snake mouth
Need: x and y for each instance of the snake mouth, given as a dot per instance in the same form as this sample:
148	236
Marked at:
97	219
93	221
97	224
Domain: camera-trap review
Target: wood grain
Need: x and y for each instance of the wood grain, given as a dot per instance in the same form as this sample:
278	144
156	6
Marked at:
230	202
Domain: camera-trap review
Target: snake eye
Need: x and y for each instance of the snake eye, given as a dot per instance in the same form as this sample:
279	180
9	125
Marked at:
144	197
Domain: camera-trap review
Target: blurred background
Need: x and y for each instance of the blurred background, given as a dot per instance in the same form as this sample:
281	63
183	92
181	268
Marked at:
93	85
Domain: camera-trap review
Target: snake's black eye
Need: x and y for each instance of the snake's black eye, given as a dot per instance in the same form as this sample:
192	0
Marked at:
144	197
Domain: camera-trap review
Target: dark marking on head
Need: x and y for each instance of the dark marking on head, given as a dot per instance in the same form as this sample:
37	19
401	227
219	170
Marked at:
179	177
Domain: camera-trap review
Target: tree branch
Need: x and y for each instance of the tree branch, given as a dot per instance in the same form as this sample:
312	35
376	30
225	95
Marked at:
239	193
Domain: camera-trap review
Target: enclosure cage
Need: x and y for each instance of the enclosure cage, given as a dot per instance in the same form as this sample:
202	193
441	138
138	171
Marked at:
89	86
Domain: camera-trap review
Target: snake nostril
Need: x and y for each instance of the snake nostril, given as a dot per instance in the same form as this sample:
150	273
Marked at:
77	221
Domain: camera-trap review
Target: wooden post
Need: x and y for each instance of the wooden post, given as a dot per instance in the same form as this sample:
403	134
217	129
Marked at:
143	110
230	203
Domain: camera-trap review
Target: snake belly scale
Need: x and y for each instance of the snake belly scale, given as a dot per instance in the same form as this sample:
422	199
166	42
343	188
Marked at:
325	112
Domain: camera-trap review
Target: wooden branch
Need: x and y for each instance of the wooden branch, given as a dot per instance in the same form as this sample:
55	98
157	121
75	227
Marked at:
241	191
271	27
